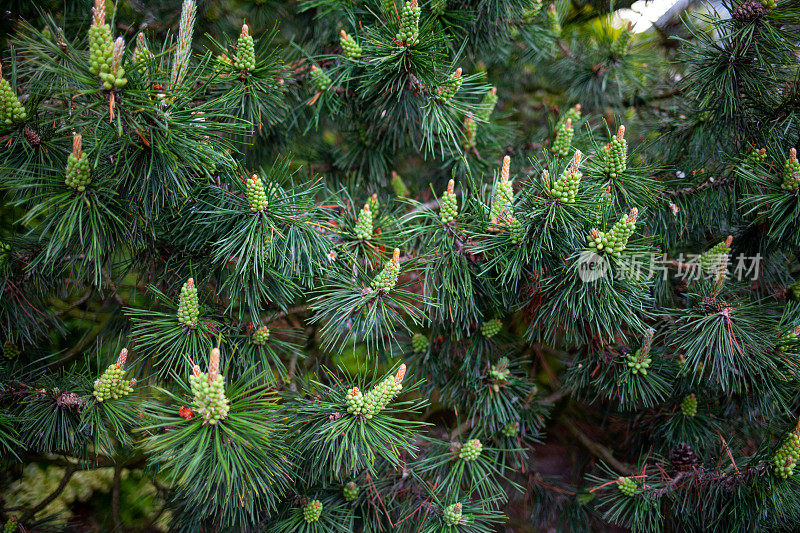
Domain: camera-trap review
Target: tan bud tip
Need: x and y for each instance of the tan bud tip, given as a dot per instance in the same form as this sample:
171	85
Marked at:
245	30
457	73
792	154
254	178
576	161
99	12
343	34
414	3
375	196
365	208
762	151
401	374
630	25
396	257
493	90
394	174
457	508
354	391
634	213
213	363
595	233
621	133
621	479
506	169
140	39
552	8
568	124
190	283
577	107
451	186
77	143
196	370
729	241
123	356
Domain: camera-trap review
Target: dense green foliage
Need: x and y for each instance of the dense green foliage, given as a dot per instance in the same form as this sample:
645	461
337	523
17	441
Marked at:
384	265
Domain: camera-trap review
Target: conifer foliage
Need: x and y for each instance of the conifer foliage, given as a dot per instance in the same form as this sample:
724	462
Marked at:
388	265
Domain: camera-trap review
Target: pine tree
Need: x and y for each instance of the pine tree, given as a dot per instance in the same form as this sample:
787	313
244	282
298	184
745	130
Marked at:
608	338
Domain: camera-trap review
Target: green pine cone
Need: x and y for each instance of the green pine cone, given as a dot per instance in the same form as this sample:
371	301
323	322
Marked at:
112	384
320	80
420	343
621	45
791	172
448	207
500	371
615	154
452	514
350	491
409	24
188	307
351	48
261	336
510	430
470	130
387	278
245	58
785	459
710	260
399	186
256	195
553	23
563	142
364	228
503	197
487	105
689	406
312	511
638	364
374	204
616	239
77	172
515	230
101	47
210	401
11	350
756	157
769	4
573	114
470	450
11	109
566	186
795	288
11	525
142	55
379	396
627	486
449	89
354	401
492	327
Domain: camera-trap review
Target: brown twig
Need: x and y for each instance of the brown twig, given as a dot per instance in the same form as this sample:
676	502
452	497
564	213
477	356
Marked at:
53	495
595	448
